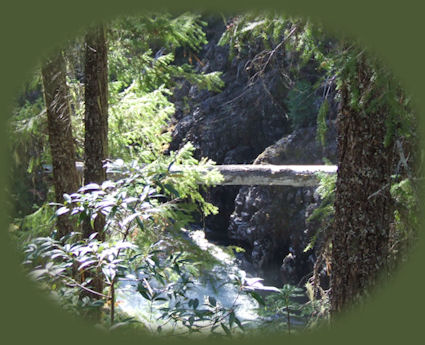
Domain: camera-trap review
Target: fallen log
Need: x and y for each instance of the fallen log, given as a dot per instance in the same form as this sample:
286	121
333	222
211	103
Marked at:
258	174
272	175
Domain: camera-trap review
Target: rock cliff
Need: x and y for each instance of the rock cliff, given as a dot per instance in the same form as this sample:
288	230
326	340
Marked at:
270	222
247	122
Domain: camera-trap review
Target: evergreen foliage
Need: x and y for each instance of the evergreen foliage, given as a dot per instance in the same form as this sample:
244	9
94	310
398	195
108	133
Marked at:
28	144
325	212
300	101
144	49
321	123
265	28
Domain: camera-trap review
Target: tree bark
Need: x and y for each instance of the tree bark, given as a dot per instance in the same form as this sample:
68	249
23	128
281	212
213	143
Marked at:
96	136
96	116
363	204
61	142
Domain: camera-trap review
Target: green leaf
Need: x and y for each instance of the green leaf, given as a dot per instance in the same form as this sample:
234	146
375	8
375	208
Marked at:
86	263
238	322
92	236
62	210
130	218
98	303
227	330
37	274
171	189
212	301
90	186
231	318
195	303
257	297
67	198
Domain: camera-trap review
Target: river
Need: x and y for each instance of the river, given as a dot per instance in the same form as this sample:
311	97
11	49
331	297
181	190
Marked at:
131	302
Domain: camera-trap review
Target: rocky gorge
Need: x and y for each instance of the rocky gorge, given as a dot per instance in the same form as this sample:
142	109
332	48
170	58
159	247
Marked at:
248	122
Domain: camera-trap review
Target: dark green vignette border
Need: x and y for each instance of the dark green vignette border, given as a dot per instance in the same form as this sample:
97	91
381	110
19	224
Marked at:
28	30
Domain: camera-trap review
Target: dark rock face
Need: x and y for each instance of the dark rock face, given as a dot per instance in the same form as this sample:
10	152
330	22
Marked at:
238	123
235	125
246	122
270	222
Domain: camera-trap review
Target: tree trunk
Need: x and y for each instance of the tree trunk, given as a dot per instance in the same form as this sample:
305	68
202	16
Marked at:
62	148
96	116
96	135
363	204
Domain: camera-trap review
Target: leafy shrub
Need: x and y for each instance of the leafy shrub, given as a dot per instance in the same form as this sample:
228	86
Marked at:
406	220
282	307
324	213
144	199
37	224
163	279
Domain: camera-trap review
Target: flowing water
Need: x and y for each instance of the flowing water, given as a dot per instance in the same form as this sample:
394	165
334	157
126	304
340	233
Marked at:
228	295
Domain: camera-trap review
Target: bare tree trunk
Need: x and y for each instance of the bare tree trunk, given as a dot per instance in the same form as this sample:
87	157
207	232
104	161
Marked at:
96	133
96	116
62	148
363	204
